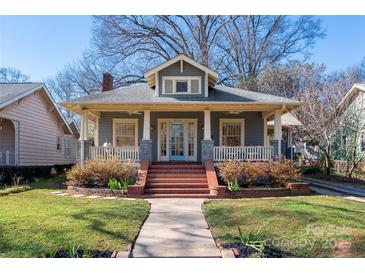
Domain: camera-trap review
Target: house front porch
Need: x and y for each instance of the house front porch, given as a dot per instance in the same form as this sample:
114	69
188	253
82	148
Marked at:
9	137
180	136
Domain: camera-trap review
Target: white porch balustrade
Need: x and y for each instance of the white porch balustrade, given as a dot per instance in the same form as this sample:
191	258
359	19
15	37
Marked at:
243	153
116	153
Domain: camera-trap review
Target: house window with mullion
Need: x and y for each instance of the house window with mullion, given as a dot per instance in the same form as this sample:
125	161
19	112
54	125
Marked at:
231	132
125	133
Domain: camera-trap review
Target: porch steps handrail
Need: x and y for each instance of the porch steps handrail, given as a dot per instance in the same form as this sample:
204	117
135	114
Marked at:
117	153
243	153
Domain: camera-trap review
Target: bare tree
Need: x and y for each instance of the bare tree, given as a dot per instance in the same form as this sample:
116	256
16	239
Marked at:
12	75
258	42
154	39
238	47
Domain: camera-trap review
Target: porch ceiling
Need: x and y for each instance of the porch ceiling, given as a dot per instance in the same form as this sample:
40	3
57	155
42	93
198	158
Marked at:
96	108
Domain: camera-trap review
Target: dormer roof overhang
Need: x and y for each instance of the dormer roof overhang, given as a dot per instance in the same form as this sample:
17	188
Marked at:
150	75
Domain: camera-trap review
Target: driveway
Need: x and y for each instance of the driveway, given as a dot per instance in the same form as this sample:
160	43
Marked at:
175	228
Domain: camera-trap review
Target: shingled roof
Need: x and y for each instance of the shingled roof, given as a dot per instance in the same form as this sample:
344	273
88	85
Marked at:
144	95
9	92
12	92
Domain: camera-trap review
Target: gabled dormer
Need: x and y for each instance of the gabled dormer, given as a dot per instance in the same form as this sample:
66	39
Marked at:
181	76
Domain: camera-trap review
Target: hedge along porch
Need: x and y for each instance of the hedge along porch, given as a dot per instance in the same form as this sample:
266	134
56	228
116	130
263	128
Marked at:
180	114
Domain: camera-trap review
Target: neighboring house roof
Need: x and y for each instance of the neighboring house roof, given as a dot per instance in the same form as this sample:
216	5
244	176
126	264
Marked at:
288	119
150	74
10	93
72	123
144	95
350	94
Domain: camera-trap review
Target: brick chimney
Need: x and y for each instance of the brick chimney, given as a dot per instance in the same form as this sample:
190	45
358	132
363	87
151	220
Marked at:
107	82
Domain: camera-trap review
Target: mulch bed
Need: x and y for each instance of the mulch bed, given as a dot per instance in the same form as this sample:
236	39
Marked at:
259	192
61	253
243	251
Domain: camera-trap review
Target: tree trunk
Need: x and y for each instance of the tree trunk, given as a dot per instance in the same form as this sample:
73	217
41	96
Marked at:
351	170
328	162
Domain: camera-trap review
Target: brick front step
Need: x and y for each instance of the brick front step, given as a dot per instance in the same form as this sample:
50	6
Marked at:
177	166
177	180
177	170
176	185
177	191
202	196
177	175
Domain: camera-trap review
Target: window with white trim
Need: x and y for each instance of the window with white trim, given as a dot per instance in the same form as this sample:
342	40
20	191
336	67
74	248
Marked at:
231	132
125	132
181	84
58	146
68	148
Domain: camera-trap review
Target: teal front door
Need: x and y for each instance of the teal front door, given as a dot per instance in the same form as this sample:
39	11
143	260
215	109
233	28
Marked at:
177	142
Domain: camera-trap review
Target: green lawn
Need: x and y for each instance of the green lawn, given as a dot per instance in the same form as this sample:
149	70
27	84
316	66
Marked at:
313	226
35	222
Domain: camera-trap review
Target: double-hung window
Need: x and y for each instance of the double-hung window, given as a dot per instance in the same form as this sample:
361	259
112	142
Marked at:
125	132
181	84
58	144
231	132
68	148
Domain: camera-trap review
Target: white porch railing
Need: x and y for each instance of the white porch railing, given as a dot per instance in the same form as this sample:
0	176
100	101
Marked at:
117	153
247	153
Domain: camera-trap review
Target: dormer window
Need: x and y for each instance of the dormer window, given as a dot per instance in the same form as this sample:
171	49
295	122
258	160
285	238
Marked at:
181	85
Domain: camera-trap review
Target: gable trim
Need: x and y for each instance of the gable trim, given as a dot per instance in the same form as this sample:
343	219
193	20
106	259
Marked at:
181	57
37	88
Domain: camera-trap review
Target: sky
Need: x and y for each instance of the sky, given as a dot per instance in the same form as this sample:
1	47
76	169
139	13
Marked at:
42	45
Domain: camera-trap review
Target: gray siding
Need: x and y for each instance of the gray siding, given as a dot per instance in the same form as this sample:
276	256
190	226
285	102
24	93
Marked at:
174	70
106	125
254	127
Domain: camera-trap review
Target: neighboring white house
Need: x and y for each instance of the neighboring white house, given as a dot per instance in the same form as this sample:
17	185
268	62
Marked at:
33	131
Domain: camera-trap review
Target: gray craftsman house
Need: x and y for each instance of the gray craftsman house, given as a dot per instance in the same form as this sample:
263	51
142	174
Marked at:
181	115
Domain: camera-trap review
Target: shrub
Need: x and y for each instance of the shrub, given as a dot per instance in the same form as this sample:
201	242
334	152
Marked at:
279	172
120	185
284	171
12	174
308	170
255	171
230	171
96	173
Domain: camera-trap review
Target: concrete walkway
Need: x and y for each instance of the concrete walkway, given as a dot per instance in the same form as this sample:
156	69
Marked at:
335	187
175	228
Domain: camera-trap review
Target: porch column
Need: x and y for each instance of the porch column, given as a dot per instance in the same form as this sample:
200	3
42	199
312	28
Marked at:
84	143
146	125
96	133
207	131
277	132
207	144
16	142
145	146
290	143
